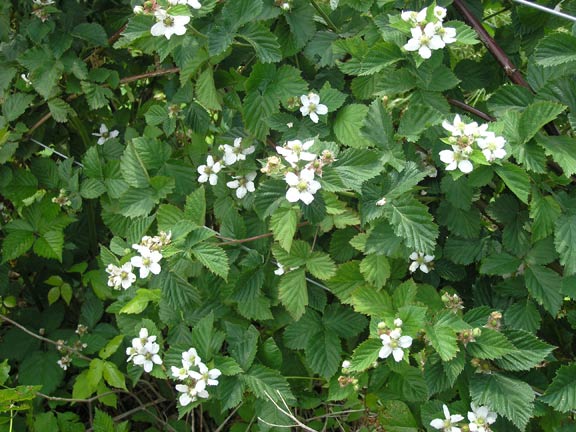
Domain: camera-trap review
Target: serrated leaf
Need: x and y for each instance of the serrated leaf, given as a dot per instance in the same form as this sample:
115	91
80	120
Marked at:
15	104
91	32
545	286
320	265
535	116
212	257
561	393
293	292
268	197
529	351
375	269
348	123
523	315
102	422
323	353
411	221
500	264
545	211
206	92
133	169
509	397
267	383
365	355
195	208
443	339
369	301
283	225
516	179
556	49
16	243
263	41
561	148
50	245
565	242
491	344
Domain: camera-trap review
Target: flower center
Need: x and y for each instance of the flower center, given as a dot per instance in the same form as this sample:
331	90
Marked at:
105	134
302	185
424	40
480	421
168	21
393	344
312	107
207	170
146	261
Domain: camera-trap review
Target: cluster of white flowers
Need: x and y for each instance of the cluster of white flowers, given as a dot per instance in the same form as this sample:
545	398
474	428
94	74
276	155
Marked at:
428	35
480	419
464	136
312	107
148	261
242	184
392	340
144	351
304	166
167	24
195	377
420	261
104	134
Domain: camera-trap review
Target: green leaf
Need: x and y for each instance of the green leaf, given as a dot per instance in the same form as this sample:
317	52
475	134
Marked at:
242	343
331	97
408	382
348	125
133	169
375	269
368	61
113	376
320	265
561	393
565	242
524	316
263	41
561	148
206	92
416	119
49	376
500	264
443	339
16	243
96	95
293	292
535	116
140	301
545	211
529	351
323	353
102	422
212	257
15	105
203	336
267	383
93	33
268	197
411	220
369	301
283	225
379	130
509	397
50	245
195	208
516	179
240	12
545	285
490	345
556	49
111	347
365	355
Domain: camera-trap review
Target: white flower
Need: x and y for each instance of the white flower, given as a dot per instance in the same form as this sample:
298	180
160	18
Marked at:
208	172
147	261
168	25
148	356
235	153
457	158
439	13
192	3
206	376
398	322
280	270
120	276
394	344
421	261
480	418
289	125
448	34
64	362
492	146
311	106
138	10
381	202
346	364
44	2
105	134
26	79
243	184
446	424
285	6
424	41
413	16
294	151
180	373
189	394
302	187
191	357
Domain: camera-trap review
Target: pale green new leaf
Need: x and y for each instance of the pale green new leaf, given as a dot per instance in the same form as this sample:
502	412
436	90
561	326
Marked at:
375	269
365	355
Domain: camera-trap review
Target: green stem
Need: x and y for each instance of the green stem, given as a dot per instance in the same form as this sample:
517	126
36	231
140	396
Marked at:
197	33
325	16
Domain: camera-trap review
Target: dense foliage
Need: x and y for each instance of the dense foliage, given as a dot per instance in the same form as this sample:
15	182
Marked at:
353	215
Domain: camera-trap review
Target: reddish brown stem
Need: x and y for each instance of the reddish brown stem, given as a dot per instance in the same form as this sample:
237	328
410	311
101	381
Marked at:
471	110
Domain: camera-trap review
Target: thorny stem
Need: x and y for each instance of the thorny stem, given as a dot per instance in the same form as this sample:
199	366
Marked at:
471	109
42	338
